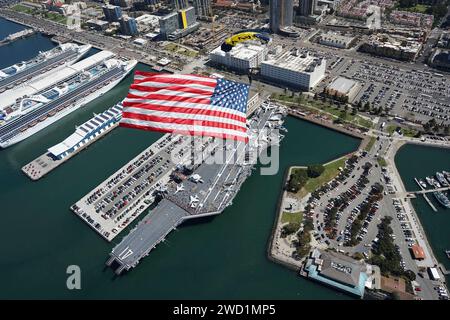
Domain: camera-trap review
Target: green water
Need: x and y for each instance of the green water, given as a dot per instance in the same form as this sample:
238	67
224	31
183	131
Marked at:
419	161
223	257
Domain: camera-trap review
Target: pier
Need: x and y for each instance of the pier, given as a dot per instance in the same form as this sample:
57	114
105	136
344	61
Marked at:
18	35
424	191
84	135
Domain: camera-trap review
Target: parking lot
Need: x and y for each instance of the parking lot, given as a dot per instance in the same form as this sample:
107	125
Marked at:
416	94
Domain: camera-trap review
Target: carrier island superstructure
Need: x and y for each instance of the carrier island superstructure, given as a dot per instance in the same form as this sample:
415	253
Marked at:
34	106
183	189
40	66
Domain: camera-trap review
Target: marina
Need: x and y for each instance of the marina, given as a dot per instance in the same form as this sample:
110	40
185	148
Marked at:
438	188
43	102
84	135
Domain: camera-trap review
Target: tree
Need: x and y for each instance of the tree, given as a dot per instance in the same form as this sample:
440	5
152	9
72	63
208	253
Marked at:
290	228
359	105
315	170
410	275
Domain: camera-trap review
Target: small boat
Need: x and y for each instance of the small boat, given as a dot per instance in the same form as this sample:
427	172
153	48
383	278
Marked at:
442	199
430	181
440	177
423	183
446	175
447	252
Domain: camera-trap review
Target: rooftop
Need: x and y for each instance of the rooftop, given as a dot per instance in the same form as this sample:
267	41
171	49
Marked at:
299	62
342	85
241	51
417	252
337	270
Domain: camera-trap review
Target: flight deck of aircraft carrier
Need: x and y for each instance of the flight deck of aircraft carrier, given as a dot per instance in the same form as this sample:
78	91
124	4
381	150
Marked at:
179	190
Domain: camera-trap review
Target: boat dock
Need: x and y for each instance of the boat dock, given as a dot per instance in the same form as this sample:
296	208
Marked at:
425	196
86	134
190	197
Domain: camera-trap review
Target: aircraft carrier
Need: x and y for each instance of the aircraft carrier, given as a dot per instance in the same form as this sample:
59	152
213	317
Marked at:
62	93
203	190
54	59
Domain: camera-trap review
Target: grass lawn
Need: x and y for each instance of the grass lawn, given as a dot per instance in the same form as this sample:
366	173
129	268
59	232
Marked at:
292	217
381	162
326	107
55	17
331	171
419	8
22	8
173	47
405	131
370	144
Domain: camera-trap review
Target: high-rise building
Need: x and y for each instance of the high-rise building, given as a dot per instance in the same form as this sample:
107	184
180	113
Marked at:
151	2
121	3
178	24
305	8
281	14
128	26
112	13
180	4
203	8
168	24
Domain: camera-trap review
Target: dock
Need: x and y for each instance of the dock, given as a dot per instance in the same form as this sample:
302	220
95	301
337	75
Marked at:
85	135
425	196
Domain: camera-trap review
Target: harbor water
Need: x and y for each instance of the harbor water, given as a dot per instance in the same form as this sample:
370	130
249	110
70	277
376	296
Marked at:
223	257
421	161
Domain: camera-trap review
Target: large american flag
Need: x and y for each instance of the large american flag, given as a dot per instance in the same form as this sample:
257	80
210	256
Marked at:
187	104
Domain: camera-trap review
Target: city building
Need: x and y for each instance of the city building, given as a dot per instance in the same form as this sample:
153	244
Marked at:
338	271
180	4
305	7
152	2
112	13
140	41
392	46
100	25
203	8
147	22
242	57
178	24
336	40
121	3
441	59
128	26
343	87
299	70
417	252
281	14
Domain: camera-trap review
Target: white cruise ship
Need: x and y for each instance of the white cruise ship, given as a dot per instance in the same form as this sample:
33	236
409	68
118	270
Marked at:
62	93
51	60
